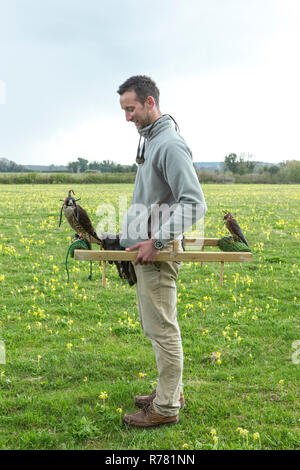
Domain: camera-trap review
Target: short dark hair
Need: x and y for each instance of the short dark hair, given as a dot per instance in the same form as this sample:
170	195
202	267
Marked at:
143	87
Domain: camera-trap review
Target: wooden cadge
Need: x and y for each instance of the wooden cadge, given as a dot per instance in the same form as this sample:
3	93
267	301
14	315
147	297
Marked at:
174	255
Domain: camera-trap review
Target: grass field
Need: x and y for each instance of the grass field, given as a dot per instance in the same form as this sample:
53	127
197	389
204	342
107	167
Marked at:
76	355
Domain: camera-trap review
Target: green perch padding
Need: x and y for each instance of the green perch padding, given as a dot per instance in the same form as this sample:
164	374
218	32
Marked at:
228	244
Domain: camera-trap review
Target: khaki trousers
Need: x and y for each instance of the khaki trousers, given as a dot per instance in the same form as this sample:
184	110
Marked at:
157	300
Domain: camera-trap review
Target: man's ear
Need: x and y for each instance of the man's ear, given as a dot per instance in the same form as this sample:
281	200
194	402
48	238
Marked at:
150	102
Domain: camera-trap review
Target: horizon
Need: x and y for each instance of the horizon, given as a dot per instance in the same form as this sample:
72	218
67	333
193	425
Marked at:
208	163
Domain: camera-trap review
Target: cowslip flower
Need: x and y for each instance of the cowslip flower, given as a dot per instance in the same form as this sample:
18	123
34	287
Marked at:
243	432
185	446
216	357
214	436
103	395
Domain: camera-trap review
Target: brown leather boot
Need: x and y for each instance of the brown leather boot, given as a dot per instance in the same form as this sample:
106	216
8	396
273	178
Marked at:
143	400
147	417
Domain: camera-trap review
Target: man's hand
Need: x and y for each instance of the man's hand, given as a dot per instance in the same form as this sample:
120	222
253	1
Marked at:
147	253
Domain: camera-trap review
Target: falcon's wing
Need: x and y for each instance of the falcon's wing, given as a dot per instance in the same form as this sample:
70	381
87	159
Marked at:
85	222
236	229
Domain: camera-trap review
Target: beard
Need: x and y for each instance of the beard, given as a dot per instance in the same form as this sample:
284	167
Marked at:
146	121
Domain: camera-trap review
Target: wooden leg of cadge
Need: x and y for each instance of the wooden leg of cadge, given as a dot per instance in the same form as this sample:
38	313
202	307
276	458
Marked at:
104	274
221	272
202	249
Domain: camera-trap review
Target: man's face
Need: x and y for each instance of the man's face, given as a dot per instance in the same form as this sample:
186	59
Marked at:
135	111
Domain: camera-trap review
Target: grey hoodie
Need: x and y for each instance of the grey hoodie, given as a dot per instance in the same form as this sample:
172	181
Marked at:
167	197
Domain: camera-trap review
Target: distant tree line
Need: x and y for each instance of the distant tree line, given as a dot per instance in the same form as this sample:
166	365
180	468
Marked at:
7	166
238	164
244	164
243	169
235	169
81	165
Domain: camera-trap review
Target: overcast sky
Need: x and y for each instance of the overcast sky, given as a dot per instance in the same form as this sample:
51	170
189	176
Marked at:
228	72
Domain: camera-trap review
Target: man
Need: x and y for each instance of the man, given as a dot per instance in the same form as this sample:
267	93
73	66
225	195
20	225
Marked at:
165	179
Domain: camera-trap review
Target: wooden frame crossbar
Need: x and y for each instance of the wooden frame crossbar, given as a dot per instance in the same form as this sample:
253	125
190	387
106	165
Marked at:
173	255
